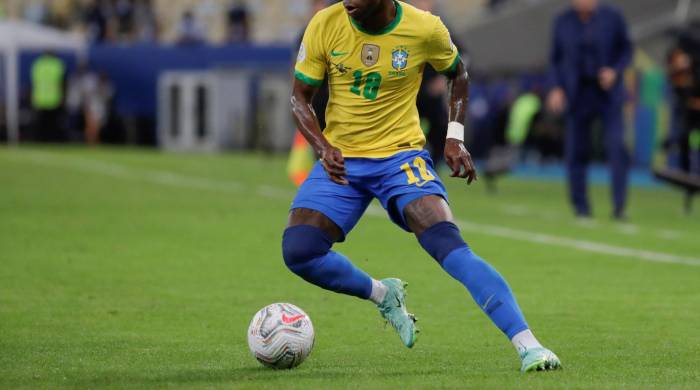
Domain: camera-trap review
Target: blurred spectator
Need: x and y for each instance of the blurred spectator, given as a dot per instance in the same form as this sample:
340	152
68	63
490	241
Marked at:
124	18
89	98
489	111
97	18
479	118
684	73
525	109
145	21
48	77
533	125
238	23
590	52
35	11
546	135
189	31
98	101
74	97
431	102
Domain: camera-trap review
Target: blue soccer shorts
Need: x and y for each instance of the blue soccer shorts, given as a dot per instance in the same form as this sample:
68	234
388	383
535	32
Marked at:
395	181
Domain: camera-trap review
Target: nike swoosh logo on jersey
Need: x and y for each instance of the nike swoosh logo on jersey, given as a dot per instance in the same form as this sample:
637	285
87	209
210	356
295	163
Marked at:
338	53
291	320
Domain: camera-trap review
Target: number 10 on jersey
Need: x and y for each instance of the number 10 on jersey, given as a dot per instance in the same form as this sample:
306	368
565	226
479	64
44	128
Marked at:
372	83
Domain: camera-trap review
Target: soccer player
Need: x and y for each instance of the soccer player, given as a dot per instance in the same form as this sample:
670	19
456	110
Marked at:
374	52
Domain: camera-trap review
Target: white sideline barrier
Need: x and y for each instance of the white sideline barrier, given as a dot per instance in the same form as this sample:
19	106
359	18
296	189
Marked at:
224	109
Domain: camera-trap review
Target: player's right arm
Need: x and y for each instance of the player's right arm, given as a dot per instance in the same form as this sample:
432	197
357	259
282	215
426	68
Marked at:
305	117
309	72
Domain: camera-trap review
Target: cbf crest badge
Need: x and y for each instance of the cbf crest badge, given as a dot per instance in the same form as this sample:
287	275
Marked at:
399	61
399	58
370	54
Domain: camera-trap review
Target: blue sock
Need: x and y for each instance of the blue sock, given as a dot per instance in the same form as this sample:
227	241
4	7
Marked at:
485	284
306	251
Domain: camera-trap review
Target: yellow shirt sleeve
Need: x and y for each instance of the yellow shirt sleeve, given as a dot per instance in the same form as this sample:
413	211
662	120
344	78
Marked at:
442	53
311	61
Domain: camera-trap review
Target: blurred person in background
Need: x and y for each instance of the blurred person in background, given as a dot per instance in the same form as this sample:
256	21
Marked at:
96	18
432	103
493	136
683	65
124	18
98	102
238	22
74	97
523	113
48	73
534	126
590	51
35	11
89	99
190	31
145	21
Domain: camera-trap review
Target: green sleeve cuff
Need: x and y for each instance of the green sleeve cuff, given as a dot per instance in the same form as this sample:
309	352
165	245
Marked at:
307	80
452	67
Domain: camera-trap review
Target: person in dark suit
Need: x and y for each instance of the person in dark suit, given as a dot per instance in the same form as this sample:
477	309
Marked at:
590	51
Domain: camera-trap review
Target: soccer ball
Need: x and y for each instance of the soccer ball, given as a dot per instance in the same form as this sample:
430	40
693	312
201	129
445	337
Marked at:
281	336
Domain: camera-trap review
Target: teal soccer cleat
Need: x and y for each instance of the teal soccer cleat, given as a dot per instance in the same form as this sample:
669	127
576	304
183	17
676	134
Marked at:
539	359
393	309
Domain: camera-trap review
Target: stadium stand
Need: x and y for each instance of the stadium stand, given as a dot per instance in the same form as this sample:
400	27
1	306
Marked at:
289	16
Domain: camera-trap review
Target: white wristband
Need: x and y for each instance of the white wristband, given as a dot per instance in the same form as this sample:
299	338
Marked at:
455	130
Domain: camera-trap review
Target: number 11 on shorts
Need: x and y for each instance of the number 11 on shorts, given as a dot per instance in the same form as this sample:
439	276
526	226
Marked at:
423	171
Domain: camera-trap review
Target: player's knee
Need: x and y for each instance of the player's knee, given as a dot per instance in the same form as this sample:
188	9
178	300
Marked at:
303	243
441	239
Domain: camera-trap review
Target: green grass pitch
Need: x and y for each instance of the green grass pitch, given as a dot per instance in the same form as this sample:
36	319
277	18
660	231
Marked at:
138	269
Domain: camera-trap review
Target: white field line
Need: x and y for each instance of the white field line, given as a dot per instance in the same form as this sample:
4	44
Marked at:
625	228
628	229
670	235
200	183
583	245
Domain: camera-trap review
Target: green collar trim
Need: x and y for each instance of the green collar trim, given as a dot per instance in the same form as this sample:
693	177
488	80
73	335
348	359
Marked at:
385	30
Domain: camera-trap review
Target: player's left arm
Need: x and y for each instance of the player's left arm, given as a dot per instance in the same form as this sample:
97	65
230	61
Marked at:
444	57
457	156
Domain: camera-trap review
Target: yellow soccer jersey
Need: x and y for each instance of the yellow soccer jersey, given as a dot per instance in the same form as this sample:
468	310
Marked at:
374	77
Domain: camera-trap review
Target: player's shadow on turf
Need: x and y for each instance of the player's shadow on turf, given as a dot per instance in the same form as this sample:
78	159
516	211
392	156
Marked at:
259	374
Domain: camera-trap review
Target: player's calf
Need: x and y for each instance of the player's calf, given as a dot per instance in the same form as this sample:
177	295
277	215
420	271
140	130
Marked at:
306	252
489	289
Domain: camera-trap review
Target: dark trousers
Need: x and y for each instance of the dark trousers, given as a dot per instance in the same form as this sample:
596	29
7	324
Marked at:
691	122
48	126
433	110
591	104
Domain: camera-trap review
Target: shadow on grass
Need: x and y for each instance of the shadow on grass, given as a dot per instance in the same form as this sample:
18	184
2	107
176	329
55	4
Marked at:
249	375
